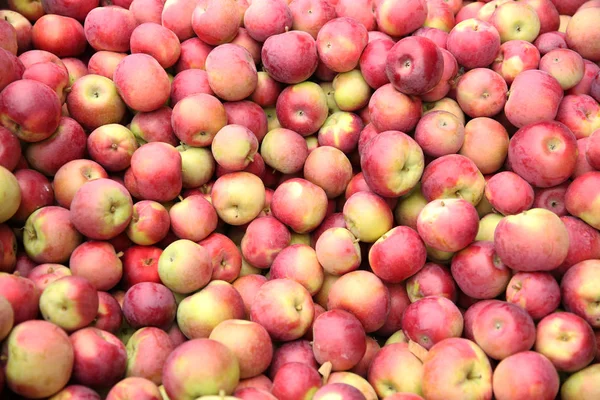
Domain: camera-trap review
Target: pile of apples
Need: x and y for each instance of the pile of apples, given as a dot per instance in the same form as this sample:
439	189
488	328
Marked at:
296	200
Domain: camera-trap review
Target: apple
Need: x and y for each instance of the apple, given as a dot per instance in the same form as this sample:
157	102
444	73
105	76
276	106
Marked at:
399	18
296	380
362	368
205	25
149	224
581	196
112	146
77	391
195	128
189	82
267	90
94	101
140	264
437	36
147	351
134	387
479	99
367	230
290	57
514	57
351	91
247	286
104	63
453	176
44	274
390	109
156	40
51	74
21	25
110	316
338	251
9	246
69	9
578	291
302	108
577	384
340	42
37	366
172	15
288	204
149	304
156	167
109	28
98	262
299	262
9	37
299	351
582	33
341	130
565	65
549	41
231	81
60	35
266	18
230	199
22	294
10	150
440	133
265	237
310	15
185	266
571	110
72	176
12	65
474	43
552	198
432	280
416	328
497	188
396	370
537	293
526	26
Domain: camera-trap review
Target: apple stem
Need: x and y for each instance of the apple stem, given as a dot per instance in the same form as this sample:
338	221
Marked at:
120	254
180	198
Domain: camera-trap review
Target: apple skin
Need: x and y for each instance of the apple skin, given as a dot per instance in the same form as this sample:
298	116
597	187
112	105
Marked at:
66	144
176	16
526	375
79	392
437	36
581	198
97	262
522	193
140	264
398	18
205	25
329	168
104	63
21	25
37	366
338	337
295	380
342	130
533	87
184	266
149	224
149	304
112	146
249	114
338	251
225	256
579	293
23	296
362	368
138	96
10	149
44	274
50	236
584	243
302	108
68	8
300	263
247	286
265	237
9	246
549	41
12	65
147	351
299	351
30	121
36	192
572	110
567	340
373	61
134	387
514	57
230	199
267	90
432	280
200	367
565	65
156	40
265	18
340	43
581	384
440	133
194	127
189	82
51	74
9	37
392	110
72	176
109	28
290	57
582	33
156	167
310	15
395	369
450	176
100	357
288	207
231	72
552	198
474	43
537	293
456	357
110	316
193	218
272	306
63	36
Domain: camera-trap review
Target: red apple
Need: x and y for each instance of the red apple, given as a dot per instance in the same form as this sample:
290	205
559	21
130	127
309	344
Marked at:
399	18
295	380
396	370
579	294
418	321
231	72
98	263
392	110
216	22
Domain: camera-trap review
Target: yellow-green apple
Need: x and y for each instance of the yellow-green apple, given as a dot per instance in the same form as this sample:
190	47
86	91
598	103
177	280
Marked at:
529	87
70	302
290	57
582	33
93	101
184	266
104	63
481	92
149	224
284	308
147	350
502	329
514	57
581	384
448	225
250	343
112	146
265	237
412	74
197	118
440	133
397	337
267	90
338	338
37	366
225	257
149	304
354	380
156	167
231	72
110	316
198	165
299	351
100	357
565	65
32	10
109	28
234	147
390	109
392	163
474	43
98	262
49	235
351	91
289	204
373	62
302	108
10	149
140	264
284	150
338	251
76	391
296	380
580	113
409	206
189	82
310	15
9	37
579	293
134	387
176	16
68	143
230	197
156	40
199	313
21	25
395	369
247	286
30	121
432	280
63	36
193	218
479	272
36	192
399	17
341	130
22	294
453	176
525	375
380	218
486	144
567	340
581	198
266	18
329	93
370	306
534	240
456	368
397	255
216	22
584	243
45	274
101	209
340	43
9	246
330	390
500	185
134	69
424	330
51	74
516	21
329	168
